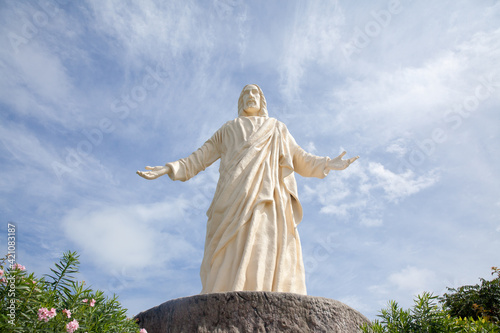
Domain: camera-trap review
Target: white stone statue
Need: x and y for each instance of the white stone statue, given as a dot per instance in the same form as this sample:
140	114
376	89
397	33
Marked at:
252	241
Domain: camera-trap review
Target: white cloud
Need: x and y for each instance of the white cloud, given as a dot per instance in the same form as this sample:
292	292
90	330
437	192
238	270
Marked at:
399	186
414	280
36	84
370	222
405	284
391	104
398	147
129	236
357	188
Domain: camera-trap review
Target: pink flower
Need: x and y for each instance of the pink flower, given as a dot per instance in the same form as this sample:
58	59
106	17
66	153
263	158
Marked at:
143	330
92	302
67	313
51	313
45	314
1	272
72	326
3	280
19	267
42	314
85	300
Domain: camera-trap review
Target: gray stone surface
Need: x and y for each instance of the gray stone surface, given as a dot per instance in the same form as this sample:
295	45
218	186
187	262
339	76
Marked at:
251	311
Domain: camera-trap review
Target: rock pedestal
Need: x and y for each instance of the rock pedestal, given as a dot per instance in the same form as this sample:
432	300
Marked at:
251	311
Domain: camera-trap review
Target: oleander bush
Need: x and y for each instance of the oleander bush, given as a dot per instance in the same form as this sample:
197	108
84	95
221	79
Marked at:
57	302
466	309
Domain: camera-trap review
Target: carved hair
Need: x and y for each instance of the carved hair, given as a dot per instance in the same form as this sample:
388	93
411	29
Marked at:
263	103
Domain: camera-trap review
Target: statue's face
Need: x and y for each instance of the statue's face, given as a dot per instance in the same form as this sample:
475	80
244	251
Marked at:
251	100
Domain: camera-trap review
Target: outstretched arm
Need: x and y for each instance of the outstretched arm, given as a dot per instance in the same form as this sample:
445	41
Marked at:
188	167
154	172
338	163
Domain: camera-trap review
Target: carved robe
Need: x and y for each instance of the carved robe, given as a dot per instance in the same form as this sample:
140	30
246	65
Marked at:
252	241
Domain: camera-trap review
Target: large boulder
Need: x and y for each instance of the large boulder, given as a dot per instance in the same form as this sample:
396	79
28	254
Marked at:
251	311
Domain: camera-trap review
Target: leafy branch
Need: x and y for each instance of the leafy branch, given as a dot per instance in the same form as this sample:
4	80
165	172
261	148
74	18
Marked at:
63	277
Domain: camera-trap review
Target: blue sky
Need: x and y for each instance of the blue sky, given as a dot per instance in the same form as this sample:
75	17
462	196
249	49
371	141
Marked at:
91	91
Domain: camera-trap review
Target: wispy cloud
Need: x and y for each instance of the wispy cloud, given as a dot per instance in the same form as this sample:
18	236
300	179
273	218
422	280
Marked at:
366	186
399	186
412	98
313	39
37	85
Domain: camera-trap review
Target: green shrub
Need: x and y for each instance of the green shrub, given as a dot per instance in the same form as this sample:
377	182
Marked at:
466	309
478	301
425	316
57	302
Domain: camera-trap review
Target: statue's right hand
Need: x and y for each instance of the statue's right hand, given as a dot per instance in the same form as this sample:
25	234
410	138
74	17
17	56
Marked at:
154	172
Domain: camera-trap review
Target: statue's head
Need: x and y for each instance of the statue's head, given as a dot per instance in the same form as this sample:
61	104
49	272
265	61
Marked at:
252	102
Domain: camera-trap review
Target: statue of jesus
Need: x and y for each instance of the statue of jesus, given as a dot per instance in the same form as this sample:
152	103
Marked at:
252	241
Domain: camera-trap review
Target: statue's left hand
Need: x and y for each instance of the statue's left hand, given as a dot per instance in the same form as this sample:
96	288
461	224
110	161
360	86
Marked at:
339	164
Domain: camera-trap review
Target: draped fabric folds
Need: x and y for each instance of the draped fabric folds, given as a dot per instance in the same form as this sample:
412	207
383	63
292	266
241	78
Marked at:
252	241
